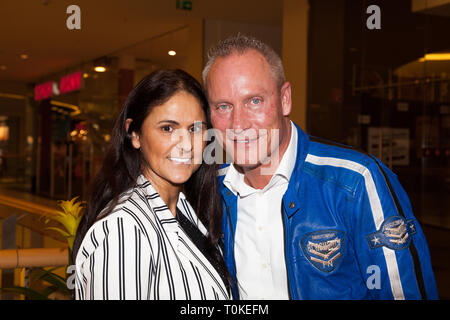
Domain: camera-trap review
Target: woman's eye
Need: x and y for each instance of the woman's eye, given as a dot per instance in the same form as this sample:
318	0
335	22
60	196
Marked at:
166	128
196	128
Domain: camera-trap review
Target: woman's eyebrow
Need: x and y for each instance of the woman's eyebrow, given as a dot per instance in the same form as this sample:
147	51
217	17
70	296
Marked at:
169	121
177	123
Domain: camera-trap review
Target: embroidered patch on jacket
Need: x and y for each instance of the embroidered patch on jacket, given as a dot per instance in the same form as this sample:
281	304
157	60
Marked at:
394	233
324	249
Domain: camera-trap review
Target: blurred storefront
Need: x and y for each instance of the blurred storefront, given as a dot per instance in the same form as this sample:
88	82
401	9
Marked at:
385	91
382	90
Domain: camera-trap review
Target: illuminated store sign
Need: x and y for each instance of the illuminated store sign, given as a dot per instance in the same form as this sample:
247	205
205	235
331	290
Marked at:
69	83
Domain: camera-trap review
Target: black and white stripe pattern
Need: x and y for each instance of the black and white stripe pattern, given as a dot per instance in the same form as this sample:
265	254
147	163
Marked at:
140	252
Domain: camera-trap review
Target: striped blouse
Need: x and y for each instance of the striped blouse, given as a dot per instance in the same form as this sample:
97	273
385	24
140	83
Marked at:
139	251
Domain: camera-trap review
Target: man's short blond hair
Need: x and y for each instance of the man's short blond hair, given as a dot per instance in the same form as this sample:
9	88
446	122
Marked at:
240	44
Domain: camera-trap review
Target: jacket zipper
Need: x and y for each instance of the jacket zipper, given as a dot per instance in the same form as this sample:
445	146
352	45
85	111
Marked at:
285	255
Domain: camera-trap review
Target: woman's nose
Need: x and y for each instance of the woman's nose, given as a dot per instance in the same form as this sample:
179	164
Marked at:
183	139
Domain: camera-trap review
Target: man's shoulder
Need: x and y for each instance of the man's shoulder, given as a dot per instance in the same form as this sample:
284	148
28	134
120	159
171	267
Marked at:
341	164
332	152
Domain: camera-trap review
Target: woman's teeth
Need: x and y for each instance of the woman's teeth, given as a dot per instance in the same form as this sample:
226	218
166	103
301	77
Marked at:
181	160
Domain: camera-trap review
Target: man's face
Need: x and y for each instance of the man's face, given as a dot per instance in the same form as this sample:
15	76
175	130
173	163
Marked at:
246	106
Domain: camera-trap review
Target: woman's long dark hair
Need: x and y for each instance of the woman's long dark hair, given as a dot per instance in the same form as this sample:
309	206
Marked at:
123	163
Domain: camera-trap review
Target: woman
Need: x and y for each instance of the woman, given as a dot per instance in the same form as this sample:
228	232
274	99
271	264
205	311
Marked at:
140	237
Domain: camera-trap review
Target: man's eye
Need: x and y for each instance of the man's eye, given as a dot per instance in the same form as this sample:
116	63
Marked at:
166	128
222	106
255	101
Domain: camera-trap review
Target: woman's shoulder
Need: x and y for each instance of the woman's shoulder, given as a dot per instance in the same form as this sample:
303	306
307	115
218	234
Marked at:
130	208
130	201
107	224
126	215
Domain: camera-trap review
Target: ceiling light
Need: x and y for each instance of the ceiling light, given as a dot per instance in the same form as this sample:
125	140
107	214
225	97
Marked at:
2	67
171	53
101	64
435	57
100	69
85	75
23	56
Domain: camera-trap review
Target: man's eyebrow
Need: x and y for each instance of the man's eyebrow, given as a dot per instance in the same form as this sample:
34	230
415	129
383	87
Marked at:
245	97
219	101
259	93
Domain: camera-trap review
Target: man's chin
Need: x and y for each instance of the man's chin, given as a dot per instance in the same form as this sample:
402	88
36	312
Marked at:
245	166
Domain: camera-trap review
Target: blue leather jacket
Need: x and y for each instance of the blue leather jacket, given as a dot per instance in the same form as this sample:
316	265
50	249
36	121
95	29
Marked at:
349	229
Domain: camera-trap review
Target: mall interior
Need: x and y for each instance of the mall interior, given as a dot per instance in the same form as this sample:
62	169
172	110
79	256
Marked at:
377	79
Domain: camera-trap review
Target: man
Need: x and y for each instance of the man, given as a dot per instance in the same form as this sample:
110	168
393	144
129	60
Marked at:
304	219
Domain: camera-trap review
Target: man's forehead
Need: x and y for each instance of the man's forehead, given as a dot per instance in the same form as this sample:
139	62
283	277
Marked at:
221	89
249	58
245	73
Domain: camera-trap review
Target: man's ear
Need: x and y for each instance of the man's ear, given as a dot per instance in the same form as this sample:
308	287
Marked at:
134	137
286	98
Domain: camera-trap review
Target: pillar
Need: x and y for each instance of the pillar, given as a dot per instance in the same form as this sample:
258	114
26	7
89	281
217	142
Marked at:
126	78
44	145
194	60
294	55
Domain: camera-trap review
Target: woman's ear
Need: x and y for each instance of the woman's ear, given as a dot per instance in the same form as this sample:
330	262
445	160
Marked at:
134	137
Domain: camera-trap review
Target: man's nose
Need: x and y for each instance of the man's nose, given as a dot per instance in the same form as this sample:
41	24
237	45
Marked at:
240	121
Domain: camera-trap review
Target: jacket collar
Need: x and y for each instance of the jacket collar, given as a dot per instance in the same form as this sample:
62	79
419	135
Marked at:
290	198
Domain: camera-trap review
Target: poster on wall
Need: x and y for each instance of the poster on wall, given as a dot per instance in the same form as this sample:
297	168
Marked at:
390	145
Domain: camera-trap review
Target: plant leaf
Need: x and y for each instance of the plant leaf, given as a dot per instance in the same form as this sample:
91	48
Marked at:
49	290
27	292
62	232
40	273
67	206
54	280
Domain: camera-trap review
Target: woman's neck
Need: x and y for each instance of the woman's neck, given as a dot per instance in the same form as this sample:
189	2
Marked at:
168	192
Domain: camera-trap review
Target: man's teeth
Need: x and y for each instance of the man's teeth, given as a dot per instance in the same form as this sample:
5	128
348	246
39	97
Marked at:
183	160
244	141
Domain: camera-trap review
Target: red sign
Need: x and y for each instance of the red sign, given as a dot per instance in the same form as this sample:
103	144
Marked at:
43	91
67	84
70	82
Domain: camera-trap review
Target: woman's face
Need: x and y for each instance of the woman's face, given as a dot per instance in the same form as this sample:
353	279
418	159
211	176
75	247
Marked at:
171	139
